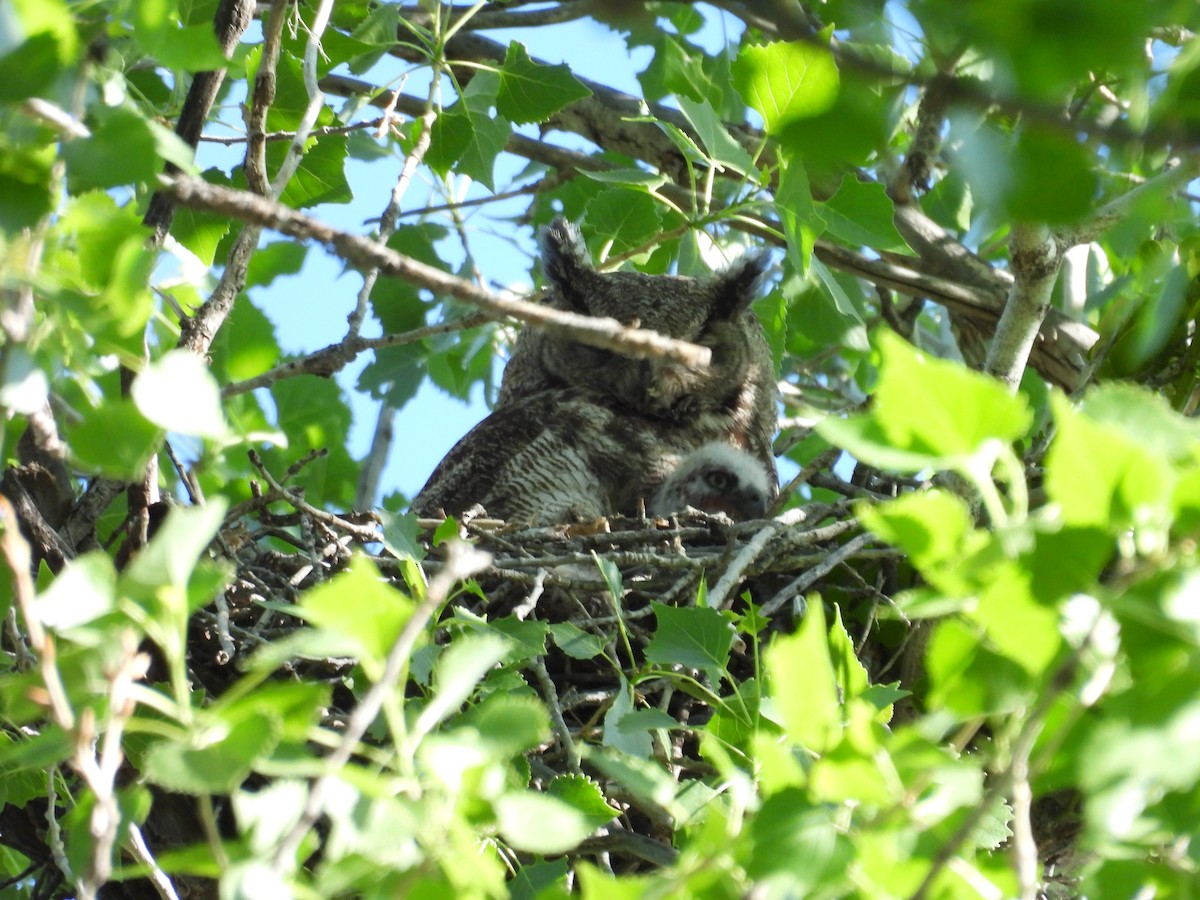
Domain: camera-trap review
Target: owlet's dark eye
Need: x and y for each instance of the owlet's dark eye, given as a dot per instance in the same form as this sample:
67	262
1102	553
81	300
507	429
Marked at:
719	480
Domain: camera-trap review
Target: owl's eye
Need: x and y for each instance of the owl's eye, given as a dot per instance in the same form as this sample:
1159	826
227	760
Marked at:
719	479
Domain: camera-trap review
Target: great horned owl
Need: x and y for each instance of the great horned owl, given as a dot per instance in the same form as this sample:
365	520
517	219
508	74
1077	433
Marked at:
733	400
717	478
555	457
561	456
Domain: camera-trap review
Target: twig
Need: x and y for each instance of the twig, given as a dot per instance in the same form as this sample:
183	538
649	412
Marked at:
574	755
1181	171
817	464
197	332
381	441
802	583
158	878
56	117
53	830
360	531
324	131
718	596
1001	782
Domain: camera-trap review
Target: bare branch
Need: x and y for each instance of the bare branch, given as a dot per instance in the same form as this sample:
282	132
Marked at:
1180	173
1036	259
231	20
608	334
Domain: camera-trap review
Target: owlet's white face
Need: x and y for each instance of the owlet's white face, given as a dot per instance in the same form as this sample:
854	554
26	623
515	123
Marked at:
717	478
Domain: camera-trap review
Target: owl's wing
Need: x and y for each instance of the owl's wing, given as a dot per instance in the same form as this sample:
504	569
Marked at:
546	459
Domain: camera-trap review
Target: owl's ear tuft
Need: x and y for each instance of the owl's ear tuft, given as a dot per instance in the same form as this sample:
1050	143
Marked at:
566	261
737	287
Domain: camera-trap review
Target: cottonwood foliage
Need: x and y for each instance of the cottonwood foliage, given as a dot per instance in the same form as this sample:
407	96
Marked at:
984	306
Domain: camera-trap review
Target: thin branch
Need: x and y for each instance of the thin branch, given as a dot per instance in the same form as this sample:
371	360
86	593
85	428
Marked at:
332	359
381	440
1181	172
158	878
1036	259
720	595
802	583
550	693
606	333
324	131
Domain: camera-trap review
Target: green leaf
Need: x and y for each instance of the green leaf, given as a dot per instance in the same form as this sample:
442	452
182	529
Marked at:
1053	177
933	527
96	232
25	178
634	742
786	81
24	761
540	880
575	642
611	574
216	756
628	218
695	638
192	48
246	345
314	414
469	134
860	214
597	884
531	92
83	591
178	393
39	42
1125	485
512	724
850	673
634	178
201	233
114	439
721	147
1017	627
124	148
171	556
1146	417
676	68
456	673
804	684
321	177
646	779
585	796
527	637
537	823
795	845
359	606
969	679
959	413
949	202
801	219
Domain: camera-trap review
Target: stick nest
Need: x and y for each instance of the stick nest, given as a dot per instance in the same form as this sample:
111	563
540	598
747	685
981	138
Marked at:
603	578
